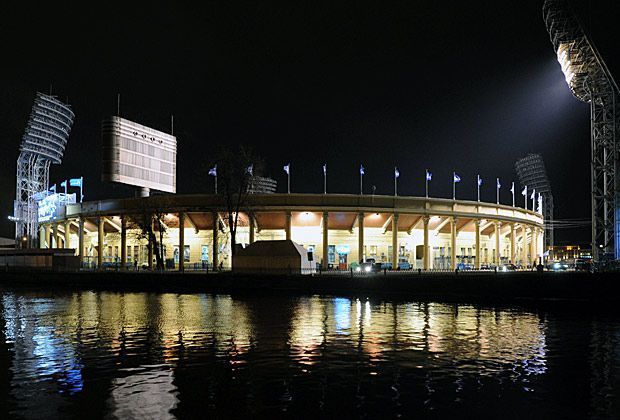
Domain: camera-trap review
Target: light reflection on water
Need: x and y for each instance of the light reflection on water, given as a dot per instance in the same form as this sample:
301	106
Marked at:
147	355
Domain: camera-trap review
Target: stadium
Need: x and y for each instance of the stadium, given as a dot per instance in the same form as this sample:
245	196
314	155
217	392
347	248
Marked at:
339	229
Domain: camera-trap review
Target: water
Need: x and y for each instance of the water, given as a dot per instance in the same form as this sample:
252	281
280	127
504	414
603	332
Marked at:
147	355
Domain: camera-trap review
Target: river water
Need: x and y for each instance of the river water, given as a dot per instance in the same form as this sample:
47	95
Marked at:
90	354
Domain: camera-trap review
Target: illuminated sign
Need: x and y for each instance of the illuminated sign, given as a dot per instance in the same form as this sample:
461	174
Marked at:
343	249
49	206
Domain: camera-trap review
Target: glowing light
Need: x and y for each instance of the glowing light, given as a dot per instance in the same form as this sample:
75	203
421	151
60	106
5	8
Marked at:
564	59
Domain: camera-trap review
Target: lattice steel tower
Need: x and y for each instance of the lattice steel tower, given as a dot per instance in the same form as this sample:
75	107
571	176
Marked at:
43	143
531	172
590	81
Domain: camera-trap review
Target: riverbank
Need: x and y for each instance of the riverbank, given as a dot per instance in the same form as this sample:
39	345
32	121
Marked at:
480	286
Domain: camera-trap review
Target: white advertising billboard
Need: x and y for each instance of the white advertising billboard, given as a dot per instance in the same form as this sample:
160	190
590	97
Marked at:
137	155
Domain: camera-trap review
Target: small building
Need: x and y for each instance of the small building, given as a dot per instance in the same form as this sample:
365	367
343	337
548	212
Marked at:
7	243
39	259
273	257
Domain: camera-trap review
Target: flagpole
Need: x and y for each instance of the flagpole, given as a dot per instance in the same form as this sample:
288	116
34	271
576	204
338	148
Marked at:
288	180
395	185
215	177
66	187
426	177
497	186
325	179
478	184
361	190
81	187
453	186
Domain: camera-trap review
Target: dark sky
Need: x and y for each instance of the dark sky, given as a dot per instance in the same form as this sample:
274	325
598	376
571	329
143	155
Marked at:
466	86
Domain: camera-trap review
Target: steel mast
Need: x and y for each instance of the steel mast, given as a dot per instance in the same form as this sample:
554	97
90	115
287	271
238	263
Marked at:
590	81
43	143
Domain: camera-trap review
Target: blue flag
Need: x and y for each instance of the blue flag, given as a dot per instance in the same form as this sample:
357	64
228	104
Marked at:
479	180
361	169
287	168
498	184
213	171
53	188
429	176
75	182
63	184
325	169
250	170
396	173
457	178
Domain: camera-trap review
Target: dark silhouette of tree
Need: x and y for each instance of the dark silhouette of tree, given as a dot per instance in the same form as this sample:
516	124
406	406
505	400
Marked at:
151	224
235	169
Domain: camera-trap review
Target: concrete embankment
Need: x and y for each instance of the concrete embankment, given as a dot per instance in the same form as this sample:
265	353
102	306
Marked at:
486	286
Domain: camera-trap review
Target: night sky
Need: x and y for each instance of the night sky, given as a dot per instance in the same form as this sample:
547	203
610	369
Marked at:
464	86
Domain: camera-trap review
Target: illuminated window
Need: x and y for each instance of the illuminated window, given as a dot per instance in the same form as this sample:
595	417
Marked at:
373	251
331	254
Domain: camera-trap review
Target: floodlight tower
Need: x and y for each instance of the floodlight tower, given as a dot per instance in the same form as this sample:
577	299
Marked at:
43	143
590	81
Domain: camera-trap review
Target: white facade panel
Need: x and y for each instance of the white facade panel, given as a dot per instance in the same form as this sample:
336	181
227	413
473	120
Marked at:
137	155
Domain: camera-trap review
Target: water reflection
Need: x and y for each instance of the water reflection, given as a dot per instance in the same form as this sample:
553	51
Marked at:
124	355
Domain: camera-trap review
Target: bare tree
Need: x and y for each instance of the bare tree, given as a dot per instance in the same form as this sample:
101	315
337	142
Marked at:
235	169
152	228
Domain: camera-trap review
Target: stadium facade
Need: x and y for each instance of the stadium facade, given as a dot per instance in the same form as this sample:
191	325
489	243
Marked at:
340	229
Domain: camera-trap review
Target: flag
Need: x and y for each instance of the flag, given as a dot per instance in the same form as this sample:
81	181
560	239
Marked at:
287	168
250	170
361	170
533	194
479	180
53	188
213	171
457	178
524	192
75	182
63	184
396	173
512	188
498	184
429	176
325	169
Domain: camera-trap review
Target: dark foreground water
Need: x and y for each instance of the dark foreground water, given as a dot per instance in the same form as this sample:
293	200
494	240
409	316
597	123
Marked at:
148	355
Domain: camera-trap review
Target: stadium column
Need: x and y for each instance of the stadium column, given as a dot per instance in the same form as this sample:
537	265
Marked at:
41	236
524	247
533	235
181	241
498	254
360	236
123	241
513	249
325	240
67	234
81	240
395	241
100	233
48	235
426	256
56	236
477	227
453	242
215	248
252	227
288	225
